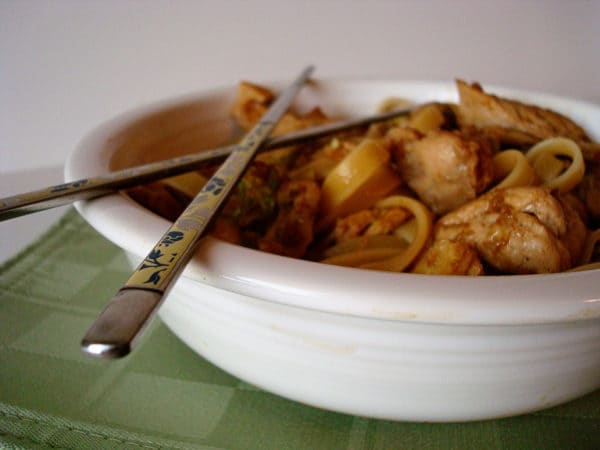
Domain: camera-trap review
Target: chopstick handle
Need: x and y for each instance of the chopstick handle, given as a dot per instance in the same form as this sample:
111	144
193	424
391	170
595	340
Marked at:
121	323
89	188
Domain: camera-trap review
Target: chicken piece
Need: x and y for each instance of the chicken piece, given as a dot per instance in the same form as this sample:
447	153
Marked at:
516	230
445	169
387	221
293	229
389	236
370	222
500	138
477	108
445	257
353	225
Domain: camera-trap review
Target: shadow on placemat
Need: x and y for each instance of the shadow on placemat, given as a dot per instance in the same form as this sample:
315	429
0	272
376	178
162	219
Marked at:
165	396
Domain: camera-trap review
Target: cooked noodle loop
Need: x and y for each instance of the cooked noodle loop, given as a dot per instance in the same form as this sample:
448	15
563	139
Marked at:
400	258
513	169
543	158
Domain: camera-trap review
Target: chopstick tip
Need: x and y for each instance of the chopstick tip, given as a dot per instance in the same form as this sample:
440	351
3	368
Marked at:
105	351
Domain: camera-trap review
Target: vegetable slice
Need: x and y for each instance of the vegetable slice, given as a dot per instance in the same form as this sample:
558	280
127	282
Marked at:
358	181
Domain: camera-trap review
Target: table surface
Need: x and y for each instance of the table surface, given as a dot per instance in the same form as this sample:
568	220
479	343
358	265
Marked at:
66	65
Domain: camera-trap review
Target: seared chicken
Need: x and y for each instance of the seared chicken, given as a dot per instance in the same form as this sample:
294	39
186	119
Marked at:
293	229
518	124
515	230
480	109
444	168
370	222
445	257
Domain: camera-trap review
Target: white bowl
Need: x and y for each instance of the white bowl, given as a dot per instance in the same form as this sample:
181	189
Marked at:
383	345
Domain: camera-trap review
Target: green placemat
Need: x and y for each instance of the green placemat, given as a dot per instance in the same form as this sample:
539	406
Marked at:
165	396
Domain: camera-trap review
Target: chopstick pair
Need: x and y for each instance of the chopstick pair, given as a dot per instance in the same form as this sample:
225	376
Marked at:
116	330
118	327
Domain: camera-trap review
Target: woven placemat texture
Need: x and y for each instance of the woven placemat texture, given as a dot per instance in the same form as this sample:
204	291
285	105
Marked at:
165	396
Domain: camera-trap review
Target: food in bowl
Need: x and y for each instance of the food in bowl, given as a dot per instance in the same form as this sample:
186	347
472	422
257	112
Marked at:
400	346
487	185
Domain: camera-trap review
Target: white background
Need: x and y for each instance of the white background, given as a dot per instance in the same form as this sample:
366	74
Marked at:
66	66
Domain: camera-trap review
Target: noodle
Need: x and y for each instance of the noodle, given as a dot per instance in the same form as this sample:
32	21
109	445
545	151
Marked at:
513	168
358	181
590	266
407	231
424	227
543	155
359	258
364	242
427	118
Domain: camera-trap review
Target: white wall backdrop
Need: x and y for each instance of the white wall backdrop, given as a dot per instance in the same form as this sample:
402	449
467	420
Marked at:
67	65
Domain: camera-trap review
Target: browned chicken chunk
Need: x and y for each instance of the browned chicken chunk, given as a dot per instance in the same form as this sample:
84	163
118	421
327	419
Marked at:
293	229
370	222
444	168
516	230
445	257
518	120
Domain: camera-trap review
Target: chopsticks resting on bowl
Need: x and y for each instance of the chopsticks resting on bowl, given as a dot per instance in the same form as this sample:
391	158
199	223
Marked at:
90	188
118	327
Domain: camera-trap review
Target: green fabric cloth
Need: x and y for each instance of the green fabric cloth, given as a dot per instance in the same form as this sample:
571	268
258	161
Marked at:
165	396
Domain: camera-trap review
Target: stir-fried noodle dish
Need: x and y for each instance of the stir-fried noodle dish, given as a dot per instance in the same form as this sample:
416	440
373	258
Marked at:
484	186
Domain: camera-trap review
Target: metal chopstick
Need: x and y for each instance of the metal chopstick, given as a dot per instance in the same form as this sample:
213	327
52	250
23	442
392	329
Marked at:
119	326
89	188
